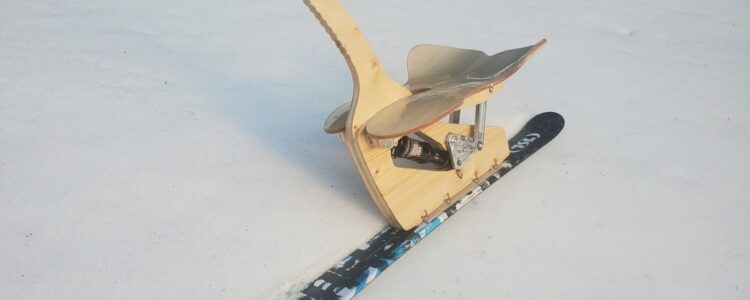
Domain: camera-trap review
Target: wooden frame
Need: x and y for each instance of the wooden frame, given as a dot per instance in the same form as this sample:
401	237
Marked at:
441	80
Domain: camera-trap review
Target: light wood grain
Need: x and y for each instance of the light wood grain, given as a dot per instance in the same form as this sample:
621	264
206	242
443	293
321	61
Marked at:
373	89
412	194
387	109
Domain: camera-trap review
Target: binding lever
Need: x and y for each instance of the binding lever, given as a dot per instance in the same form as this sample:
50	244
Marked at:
461	147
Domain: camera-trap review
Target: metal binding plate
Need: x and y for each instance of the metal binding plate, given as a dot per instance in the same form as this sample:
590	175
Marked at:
461	149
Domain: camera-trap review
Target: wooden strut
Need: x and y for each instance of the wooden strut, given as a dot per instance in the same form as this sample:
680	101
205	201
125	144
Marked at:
441	81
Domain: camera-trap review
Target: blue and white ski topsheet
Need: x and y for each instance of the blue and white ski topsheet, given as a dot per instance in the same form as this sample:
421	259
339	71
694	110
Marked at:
350	275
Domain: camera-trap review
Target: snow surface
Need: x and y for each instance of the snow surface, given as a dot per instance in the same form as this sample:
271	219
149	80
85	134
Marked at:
174	150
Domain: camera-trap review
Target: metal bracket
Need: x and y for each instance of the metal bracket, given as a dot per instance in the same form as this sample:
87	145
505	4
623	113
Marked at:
454	117
461	147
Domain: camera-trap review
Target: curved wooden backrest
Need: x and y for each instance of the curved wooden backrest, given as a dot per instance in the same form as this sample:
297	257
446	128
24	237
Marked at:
374	89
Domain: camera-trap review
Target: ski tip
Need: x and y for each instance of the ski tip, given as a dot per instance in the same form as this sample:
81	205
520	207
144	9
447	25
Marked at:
548	123
551	118
537	132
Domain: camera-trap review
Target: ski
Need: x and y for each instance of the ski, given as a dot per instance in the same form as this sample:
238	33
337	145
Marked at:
350	275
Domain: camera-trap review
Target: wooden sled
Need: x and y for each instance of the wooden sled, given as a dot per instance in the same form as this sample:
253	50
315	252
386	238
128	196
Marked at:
412	164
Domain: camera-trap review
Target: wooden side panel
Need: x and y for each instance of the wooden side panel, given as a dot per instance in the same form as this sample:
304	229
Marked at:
411	194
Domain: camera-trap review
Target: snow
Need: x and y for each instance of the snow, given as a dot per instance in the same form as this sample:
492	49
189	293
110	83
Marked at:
174	149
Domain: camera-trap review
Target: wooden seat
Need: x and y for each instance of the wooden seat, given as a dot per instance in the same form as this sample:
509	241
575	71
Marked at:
433	66
441	78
